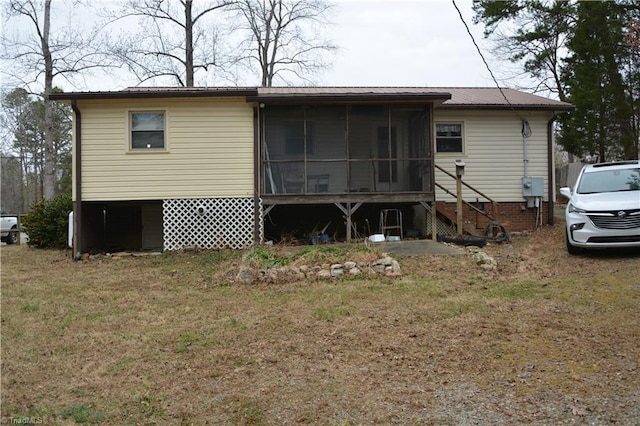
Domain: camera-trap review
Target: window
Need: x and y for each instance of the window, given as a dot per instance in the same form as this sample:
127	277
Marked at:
616	180
295	137
449	137
147	130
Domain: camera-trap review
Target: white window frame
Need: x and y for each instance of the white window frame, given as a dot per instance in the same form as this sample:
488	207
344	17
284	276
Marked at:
462	137
130	114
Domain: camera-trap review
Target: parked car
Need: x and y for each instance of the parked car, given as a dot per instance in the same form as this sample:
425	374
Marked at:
8	228
604	207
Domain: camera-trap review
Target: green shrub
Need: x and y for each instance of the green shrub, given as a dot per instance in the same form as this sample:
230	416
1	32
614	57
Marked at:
47	222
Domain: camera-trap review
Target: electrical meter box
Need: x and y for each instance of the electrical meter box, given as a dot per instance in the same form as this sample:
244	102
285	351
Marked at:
532	187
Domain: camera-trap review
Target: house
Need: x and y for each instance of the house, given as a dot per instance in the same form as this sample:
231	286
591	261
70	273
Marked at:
168	168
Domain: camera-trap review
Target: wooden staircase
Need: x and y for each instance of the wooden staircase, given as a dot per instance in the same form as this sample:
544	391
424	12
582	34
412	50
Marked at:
483	217
450	218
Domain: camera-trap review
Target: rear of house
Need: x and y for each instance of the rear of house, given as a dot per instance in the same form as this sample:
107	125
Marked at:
169	168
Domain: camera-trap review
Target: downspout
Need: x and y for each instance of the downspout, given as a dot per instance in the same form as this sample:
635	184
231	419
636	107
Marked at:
77	206
526	133
550	167
257	216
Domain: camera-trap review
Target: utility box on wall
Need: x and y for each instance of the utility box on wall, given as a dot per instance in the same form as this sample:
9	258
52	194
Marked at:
532	190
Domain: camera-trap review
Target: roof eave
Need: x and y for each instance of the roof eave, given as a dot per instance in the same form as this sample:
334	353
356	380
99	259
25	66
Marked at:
147	94
350	97
558	108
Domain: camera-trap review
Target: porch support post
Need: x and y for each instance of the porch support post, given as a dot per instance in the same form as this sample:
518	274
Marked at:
434	221
77	205
459	205
257	220
348	210
434	217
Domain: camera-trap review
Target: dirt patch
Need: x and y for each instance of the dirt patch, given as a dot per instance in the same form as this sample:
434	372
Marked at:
545	338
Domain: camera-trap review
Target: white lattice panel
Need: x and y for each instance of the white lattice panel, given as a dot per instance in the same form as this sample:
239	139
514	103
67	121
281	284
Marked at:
442	228
209	223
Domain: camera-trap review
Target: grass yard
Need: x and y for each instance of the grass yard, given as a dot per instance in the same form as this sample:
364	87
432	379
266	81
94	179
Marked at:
171	339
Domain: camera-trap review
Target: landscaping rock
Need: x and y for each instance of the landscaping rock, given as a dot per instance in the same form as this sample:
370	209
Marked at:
349	265
485	261
245	275
355	271
324	274
386	265
379	269
385	261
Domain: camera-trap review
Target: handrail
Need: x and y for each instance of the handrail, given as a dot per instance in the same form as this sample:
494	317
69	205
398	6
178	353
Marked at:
465	184
485	214
494	204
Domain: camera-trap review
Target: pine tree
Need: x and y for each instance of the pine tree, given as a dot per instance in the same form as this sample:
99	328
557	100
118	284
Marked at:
603	125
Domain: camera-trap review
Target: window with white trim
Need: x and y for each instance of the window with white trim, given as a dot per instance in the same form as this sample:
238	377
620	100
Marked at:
449	138
147	130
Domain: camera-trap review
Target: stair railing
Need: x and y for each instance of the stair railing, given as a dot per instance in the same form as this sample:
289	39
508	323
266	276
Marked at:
495	213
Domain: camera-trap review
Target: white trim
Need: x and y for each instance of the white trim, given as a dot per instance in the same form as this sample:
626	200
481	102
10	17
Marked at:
462	134
129	147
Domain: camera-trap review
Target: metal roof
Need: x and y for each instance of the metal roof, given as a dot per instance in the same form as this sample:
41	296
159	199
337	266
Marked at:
499	97
446	97
158	92
347	94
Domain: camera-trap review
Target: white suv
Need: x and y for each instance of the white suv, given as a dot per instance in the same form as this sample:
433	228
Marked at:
604	207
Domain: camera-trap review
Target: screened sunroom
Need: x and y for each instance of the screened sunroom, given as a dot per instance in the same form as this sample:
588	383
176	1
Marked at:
337	150
362	150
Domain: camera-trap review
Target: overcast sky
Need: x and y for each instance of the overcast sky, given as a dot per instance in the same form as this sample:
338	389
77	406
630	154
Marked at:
407	43
386	43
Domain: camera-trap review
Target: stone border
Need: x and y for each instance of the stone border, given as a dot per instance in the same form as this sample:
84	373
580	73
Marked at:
384	266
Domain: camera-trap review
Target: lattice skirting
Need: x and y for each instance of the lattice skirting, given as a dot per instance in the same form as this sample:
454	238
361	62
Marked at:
211	223
442	228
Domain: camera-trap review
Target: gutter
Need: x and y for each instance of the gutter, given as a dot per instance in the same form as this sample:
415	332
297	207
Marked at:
550	168
77	209
154	94
502	107
332	98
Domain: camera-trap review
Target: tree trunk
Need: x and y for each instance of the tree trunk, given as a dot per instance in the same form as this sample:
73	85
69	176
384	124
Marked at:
49	160
188	42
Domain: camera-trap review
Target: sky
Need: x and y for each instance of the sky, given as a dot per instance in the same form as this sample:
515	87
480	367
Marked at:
407	43
386	43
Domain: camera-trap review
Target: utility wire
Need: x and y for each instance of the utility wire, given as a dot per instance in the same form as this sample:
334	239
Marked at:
483	59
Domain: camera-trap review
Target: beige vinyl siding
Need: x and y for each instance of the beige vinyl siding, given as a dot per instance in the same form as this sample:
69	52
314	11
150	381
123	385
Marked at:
493	153
209	150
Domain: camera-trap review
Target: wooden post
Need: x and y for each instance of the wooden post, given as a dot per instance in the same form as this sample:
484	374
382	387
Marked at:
459	205
434	220
459	173
348	223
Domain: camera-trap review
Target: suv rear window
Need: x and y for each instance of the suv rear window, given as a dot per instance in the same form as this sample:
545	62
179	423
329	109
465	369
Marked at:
609	181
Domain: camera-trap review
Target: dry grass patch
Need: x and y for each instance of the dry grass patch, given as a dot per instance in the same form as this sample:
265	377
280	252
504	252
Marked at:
171	339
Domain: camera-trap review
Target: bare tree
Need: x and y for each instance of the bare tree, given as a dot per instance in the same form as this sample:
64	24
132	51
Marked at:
15	106
36	57
172	40
283	36
22	121
11	184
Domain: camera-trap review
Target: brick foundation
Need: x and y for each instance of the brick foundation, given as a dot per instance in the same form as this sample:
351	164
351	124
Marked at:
515	217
